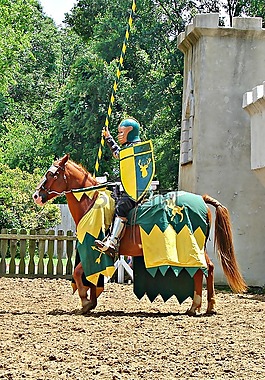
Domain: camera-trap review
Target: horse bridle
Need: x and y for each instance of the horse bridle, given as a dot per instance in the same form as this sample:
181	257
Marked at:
55	170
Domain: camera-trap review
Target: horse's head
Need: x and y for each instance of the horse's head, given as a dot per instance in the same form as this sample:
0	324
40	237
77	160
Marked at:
53	183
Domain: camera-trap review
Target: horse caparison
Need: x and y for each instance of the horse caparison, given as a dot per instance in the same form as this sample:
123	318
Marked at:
65	175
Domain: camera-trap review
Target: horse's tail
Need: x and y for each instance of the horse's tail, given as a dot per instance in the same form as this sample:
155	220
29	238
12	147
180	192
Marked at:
223	242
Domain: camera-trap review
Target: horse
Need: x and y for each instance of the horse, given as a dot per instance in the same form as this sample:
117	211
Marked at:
65	177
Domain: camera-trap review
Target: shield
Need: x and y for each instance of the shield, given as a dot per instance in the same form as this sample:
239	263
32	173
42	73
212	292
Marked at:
137	169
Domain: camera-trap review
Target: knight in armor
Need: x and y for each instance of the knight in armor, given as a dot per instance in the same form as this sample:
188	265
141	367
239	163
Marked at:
128	134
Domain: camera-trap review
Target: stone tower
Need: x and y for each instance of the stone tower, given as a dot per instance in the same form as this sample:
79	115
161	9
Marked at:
221	65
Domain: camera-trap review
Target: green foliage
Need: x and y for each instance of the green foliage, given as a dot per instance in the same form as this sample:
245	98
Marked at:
235	8
15	30
17	209
96	22
22	146
80	113
25	109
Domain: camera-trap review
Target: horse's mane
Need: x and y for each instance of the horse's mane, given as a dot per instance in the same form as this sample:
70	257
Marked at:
84	171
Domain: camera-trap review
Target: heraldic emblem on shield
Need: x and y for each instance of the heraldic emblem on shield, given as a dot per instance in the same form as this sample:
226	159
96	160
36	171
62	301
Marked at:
137	168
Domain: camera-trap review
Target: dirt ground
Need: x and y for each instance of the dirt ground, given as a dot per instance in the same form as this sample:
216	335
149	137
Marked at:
44	337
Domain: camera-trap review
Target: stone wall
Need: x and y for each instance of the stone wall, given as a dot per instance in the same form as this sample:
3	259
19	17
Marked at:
221	64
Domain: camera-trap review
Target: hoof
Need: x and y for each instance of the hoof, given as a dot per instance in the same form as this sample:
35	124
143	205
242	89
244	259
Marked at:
191	313
211	312
87	307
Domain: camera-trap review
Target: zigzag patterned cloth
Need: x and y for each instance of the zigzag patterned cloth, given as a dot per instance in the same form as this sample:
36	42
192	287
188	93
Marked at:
93	226
173	230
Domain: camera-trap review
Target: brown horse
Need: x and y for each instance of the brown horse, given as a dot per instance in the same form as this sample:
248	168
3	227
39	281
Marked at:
65	175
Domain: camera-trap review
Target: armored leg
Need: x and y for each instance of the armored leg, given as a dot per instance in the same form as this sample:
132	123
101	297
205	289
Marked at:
110	244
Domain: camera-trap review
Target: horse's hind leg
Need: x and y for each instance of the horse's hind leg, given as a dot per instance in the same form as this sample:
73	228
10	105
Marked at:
210	288
197	298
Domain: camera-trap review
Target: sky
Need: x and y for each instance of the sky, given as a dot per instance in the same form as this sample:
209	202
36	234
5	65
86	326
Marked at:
57	8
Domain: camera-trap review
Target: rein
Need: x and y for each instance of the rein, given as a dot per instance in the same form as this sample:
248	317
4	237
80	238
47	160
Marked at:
55	170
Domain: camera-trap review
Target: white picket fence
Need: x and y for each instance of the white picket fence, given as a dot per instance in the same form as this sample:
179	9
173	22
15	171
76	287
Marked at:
121	266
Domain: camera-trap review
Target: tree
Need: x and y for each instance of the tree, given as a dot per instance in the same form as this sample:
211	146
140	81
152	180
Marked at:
44	65
17	209
252	8
31	87
79	115
14	37
22	146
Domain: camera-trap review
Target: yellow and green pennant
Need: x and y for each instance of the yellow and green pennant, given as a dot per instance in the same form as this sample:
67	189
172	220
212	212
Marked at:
137	169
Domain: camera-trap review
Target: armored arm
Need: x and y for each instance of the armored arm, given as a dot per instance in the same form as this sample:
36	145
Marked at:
114	147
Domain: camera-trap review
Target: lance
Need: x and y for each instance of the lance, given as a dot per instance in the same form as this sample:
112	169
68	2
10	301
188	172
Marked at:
115	85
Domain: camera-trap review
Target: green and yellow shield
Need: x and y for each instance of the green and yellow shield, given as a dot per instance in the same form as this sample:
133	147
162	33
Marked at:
137	168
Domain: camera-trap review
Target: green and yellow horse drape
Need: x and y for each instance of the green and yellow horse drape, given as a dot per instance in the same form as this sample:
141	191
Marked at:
93	226
173	229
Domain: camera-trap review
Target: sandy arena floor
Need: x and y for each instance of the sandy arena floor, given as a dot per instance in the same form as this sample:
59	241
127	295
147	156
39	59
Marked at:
44	337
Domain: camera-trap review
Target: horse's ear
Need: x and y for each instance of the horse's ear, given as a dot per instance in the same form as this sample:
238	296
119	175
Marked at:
64	159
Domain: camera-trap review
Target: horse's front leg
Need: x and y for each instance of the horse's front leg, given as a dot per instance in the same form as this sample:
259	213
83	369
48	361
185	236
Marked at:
197	298
87	304
210	287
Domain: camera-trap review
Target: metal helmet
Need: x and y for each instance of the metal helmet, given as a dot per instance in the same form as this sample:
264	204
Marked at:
133	135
